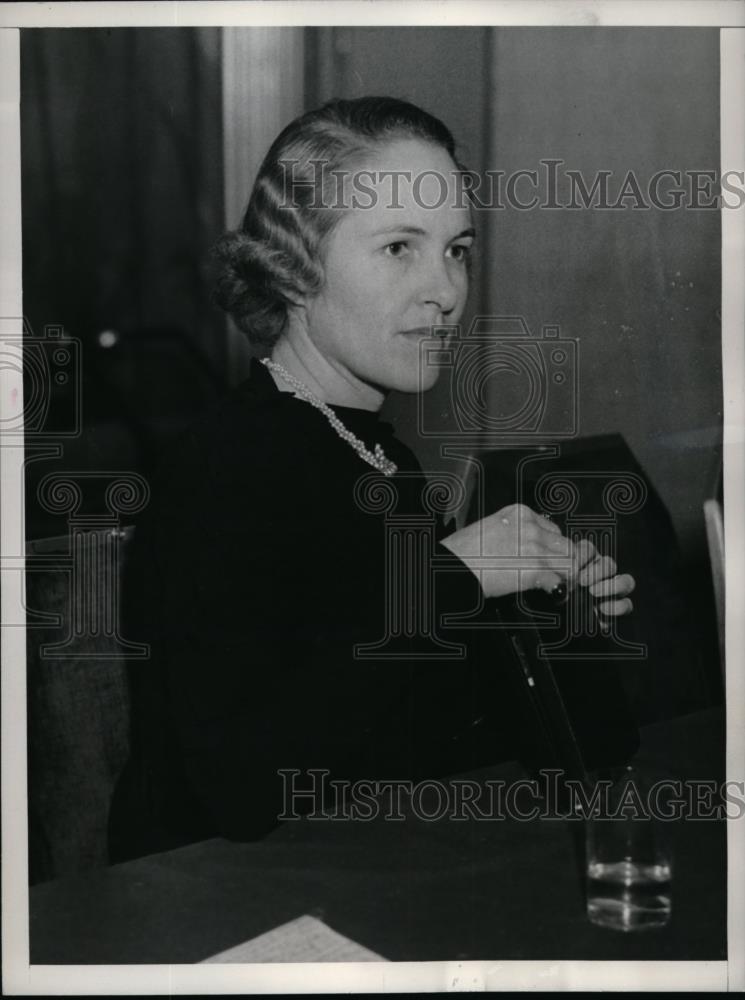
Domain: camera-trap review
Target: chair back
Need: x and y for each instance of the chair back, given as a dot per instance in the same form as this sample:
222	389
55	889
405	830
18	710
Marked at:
77	697
657	657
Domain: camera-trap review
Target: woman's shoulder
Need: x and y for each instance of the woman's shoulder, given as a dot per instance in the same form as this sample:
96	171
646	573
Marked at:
221	445
260	445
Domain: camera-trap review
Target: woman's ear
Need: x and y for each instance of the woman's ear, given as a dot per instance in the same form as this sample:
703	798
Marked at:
297	313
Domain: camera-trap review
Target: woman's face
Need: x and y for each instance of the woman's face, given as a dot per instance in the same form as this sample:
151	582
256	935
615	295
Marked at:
394	266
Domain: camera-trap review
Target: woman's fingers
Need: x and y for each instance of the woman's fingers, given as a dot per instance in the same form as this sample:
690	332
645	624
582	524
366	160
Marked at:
596	572
618	587
516	549
548	558
584	553
556	561
615	608
615	586
564	560
599	569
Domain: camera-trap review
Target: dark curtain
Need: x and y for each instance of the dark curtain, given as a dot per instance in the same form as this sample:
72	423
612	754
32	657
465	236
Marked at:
122	191
122	179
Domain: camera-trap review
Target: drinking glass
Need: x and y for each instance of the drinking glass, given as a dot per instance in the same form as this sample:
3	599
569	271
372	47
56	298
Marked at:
629	864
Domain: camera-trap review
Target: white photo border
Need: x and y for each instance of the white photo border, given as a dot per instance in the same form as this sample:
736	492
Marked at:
19	978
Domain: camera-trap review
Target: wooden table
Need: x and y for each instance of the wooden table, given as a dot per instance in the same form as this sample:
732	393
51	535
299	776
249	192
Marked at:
411	891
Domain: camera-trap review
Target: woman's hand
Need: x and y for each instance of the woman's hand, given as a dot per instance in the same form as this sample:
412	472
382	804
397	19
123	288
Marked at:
516	549
598	574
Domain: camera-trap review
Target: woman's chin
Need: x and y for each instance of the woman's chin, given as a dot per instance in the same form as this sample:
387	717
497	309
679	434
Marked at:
416	379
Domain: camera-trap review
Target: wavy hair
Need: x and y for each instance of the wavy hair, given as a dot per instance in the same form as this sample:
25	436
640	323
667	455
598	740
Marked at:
273	259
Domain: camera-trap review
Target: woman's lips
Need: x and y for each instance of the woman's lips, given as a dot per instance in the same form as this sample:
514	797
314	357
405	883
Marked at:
418	331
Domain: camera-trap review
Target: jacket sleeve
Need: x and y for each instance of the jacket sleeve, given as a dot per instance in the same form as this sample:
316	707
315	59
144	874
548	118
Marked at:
265	593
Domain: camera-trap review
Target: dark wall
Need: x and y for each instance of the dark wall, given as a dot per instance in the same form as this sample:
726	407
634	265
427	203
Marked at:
640	290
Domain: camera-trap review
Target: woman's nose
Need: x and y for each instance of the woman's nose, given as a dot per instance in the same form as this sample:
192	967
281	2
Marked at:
442	288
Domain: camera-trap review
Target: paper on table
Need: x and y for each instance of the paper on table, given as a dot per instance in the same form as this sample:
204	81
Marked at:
304	939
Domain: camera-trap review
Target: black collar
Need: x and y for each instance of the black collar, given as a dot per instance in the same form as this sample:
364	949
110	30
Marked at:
355	418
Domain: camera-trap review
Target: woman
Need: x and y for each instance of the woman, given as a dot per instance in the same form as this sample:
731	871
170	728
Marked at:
261	574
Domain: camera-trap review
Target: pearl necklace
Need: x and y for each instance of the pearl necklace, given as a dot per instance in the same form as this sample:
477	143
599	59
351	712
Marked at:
377	459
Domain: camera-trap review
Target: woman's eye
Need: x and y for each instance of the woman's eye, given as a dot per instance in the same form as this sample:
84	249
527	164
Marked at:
396	249
460	252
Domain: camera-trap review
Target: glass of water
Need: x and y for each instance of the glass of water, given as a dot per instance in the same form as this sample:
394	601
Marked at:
629	863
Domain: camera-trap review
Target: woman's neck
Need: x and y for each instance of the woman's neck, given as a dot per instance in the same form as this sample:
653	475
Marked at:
329	381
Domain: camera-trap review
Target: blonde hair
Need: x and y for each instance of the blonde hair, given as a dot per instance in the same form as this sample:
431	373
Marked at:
274	257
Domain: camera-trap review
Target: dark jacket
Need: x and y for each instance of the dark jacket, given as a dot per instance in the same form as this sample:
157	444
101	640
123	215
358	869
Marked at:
269	554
